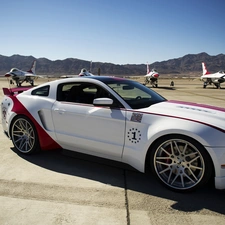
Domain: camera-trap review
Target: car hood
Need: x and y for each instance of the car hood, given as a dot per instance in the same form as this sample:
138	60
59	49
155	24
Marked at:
206	114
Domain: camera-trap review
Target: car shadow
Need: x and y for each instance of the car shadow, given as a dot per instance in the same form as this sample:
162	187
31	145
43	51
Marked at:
123	176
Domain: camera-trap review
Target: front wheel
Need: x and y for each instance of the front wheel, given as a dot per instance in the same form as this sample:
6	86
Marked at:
180	163
24	135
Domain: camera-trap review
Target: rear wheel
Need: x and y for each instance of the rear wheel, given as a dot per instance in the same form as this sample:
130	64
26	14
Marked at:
24	135
180	163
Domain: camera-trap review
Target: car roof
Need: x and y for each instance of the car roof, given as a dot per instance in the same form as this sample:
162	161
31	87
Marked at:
103	79
106	79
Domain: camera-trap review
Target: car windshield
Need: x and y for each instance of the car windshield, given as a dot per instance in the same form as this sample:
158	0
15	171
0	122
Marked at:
135	94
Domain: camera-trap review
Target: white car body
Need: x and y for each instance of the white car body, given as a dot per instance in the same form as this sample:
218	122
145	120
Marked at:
122	133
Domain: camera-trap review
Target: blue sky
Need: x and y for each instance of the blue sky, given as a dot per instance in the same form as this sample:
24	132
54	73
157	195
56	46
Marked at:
114	31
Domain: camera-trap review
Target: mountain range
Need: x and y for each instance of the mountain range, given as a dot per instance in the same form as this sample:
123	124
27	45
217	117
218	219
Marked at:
188	65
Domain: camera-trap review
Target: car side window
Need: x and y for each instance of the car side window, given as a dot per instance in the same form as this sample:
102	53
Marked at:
83	92
77	92
43	91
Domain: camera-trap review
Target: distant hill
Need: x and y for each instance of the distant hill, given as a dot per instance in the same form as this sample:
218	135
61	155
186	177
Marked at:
189	65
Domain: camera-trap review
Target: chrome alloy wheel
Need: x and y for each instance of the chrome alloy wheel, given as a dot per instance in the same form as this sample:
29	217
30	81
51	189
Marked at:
23	135
179	164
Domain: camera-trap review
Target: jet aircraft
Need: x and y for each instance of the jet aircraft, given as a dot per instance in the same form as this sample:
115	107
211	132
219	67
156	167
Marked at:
212	78
84	72
151	77
20	76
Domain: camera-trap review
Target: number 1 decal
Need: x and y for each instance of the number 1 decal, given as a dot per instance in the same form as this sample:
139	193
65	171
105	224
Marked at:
134	135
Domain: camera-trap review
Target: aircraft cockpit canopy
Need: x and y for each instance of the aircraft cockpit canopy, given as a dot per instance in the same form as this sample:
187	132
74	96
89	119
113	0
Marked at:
13	70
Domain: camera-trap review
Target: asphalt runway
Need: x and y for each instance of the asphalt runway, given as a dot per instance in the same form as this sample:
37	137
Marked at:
59	188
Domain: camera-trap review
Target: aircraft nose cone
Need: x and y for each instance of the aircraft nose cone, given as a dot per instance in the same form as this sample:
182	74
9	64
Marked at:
7	75
156	75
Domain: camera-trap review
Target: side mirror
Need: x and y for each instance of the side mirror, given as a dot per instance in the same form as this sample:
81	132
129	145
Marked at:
103	102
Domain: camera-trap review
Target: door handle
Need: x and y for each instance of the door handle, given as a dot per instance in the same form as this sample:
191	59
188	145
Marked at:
60	111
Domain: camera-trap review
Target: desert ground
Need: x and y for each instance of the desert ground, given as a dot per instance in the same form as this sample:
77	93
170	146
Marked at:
184	89
57	188
191	90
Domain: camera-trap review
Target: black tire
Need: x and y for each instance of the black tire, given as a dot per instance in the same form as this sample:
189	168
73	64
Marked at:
24	135
180	163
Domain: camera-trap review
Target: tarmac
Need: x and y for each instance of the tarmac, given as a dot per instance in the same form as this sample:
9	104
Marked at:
60	188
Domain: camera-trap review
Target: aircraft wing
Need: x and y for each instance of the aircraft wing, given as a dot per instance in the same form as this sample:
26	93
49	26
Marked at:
32	75
69	76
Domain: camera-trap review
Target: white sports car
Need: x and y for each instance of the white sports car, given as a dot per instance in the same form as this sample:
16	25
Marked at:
183	144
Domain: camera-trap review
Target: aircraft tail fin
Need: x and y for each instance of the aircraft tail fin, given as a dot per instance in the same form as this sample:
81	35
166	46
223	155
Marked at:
148	70
204	69
33	67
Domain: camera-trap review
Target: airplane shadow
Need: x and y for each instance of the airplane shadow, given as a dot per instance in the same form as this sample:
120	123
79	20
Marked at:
212	88
124	176
163	87
167	88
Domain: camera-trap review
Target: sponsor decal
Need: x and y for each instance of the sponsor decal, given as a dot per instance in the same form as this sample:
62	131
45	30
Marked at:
134	135
136	117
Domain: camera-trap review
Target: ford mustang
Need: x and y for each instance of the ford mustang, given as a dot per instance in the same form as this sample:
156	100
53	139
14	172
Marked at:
182	144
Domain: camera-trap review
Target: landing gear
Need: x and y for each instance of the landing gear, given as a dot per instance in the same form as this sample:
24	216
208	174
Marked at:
147	80
18	83
204	85
217	86
11	82
152	81
155	85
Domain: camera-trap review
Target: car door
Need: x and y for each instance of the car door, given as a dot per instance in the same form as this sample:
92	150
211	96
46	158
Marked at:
89	129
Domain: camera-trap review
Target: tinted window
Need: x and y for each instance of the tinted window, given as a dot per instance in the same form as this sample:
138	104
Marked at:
136	95
83	92
43	91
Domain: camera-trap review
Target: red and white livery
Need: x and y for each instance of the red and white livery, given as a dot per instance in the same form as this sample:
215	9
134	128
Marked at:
152	77
212	78
183	144
20	76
